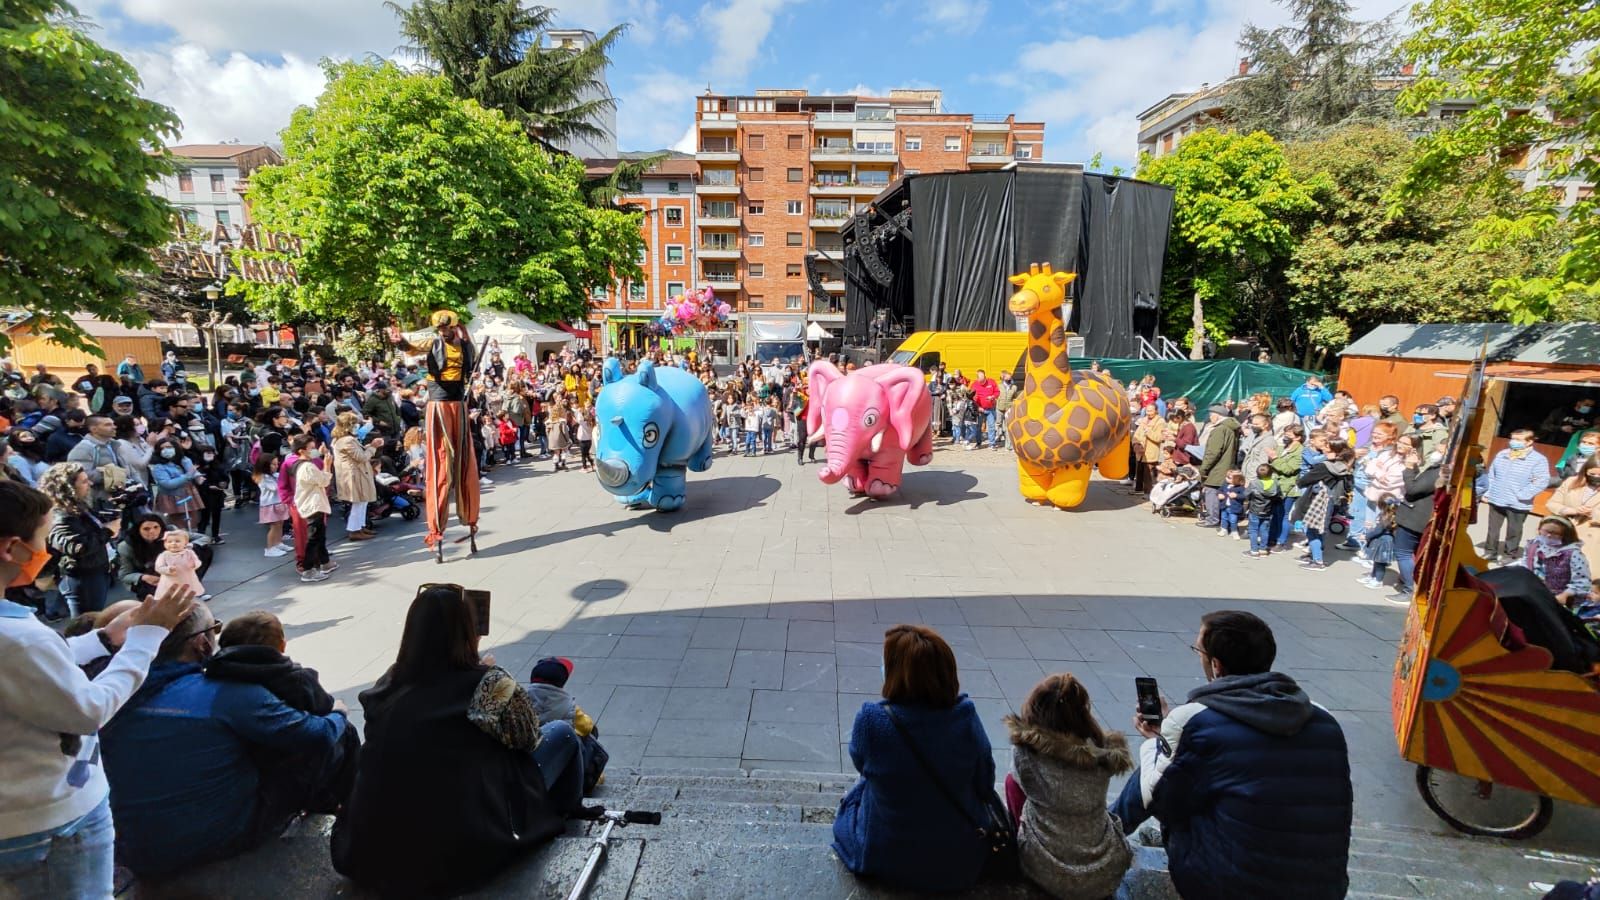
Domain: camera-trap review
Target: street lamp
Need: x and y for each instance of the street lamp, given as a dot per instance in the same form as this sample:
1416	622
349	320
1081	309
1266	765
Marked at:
213	357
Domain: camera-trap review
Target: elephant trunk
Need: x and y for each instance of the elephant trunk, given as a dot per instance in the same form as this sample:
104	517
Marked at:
840	458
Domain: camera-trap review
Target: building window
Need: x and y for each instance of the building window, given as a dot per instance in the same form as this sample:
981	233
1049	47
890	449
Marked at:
757	208
796	207
794	239
598	293
635	291
796	176
674	254
832	209
758	174
672	187
1024	151
758	240
796	141
792	301
952	144
792	270
718	145
643	256
218	184
758	270
674	288
832	177
223	218
186	181
719	176
716	241
756	302
719	209
873	176
190	216
755	142
913	143
674	216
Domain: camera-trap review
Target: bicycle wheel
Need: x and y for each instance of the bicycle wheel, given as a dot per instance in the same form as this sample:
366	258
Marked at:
1479	807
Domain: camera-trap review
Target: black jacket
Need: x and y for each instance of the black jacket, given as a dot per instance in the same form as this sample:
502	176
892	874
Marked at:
294	684
80	542
450	390
1416	504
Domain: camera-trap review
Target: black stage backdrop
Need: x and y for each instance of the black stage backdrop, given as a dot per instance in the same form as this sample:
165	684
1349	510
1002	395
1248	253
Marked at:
971	230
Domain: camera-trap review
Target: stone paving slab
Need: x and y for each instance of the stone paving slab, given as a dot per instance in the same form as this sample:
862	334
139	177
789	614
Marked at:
746	630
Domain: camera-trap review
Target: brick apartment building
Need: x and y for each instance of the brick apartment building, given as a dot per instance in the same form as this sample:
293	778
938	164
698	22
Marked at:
773	177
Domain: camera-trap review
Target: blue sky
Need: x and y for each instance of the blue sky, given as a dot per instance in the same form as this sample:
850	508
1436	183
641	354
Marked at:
237	69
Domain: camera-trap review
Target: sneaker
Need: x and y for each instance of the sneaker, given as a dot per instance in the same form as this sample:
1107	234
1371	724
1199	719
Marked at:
1313	565
1348	545
275	552
329	566
1304	557
1222	532
1253	554
1237	536
1363	555
1399	598
1376	584
204	598
1367	581
312	576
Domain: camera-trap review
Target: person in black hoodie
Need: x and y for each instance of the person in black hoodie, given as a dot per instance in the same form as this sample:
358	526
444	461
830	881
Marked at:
252	651
1326	485
1411	515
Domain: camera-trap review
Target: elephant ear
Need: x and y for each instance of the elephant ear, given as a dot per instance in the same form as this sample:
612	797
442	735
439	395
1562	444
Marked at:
821	374
903	385
647	374
612	371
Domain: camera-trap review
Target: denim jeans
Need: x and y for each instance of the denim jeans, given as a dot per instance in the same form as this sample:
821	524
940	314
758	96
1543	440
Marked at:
1314	544
1259	528
766	439
71	861
560	759
1360	512
1129	805
1228	520
1282	521
991	426
1405	557
86	591
750	443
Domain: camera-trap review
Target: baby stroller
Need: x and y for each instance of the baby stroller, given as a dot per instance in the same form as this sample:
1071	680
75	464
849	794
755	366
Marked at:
395	495
1182	494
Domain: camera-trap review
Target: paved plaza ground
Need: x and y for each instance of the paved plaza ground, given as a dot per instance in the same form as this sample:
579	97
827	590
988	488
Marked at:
746	630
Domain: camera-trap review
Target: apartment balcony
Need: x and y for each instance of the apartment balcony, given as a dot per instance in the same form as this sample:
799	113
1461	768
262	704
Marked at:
706	220
730	154
991	123
718	251
829	220
731	189
721	283
833	285
850	189
851	154
723	121
830	310
984	157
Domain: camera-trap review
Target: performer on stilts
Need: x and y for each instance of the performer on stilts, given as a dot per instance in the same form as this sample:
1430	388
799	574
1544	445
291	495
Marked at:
451	464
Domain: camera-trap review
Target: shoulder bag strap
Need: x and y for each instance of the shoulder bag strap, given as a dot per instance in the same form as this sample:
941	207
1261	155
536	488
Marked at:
929	770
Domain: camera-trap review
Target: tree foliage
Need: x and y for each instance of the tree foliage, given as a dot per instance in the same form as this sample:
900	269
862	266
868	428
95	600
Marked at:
77	219
1318	73
407	198
1530	70
493	51
1363	261
1236	215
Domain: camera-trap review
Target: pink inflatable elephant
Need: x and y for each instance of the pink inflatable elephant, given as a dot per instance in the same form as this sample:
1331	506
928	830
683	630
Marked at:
872	420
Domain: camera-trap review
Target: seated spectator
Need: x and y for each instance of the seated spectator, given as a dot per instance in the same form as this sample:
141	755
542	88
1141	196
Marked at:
1067	842
252	649
1556	556
1250	780
920	751
547	688
138	549
458	779
185	760
56	830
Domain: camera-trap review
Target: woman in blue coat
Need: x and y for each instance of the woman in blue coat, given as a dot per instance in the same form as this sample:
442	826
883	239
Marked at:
896	825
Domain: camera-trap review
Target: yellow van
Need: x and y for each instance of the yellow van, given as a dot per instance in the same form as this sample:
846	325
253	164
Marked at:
992	351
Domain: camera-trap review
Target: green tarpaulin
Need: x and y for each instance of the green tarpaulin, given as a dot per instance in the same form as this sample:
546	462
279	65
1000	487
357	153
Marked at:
1206	381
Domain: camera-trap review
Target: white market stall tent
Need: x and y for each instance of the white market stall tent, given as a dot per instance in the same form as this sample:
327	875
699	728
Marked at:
515	333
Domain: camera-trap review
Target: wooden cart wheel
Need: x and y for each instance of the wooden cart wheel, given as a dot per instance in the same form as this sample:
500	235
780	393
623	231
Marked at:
1478	807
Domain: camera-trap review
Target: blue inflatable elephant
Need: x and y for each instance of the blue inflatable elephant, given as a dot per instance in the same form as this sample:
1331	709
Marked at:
653	424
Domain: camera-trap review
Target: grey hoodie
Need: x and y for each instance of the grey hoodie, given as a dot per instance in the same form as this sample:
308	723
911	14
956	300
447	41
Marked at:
1271	701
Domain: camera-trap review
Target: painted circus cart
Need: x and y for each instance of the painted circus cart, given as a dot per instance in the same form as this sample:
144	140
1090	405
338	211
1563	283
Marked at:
1496	696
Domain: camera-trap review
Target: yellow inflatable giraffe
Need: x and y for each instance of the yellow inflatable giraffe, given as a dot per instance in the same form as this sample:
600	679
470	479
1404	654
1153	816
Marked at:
1063	422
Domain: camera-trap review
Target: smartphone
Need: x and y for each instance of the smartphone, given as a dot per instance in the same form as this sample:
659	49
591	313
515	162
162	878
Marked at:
1149	700
479	600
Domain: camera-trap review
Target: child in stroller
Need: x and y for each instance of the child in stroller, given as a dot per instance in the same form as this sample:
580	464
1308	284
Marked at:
1177	489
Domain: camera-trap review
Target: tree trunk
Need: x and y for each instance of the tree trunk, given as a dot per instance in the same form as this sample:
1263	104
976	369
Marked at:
1197	350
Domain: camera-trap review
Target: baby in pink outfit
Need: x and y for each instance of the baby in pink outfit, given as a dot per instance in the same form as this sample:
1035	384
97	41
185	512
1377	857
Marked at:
177	564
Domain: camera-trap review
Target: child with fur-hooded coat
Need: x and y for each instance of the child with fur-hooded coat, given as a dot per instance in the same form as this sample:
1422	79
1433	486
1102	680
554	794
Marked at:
1069	845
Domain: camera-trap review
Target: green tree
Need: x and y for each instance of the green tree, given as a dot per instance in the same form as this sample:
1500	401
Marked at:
1530	70
406	198
1321	71
1236	215
1363	261
493	51
78	221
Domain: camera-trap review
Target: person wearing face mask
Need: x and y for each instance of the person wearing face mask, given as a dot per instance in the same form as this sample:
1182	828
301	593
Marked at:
1411	515
1578	500
56	830
1564	421
1515	477
213	492
1249	750
1557	558
1584	446
79	538
177	485
1427	430
102	459
1389	411
202	769
304	481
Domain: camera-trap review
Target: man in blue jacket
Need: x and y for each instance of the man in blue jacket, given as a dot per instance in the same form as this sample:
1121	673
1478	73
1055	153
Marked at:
1310	398
202	769
1250	780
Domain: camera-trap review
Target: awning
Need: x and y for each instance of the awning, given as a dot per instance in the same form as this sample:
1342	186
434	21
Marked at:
1536	374
584	333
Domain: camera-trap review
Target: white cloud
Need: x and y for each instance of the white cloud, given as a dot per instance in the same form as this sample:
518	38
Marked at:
653	109
685	143
955	15
226	98
309	29
738	29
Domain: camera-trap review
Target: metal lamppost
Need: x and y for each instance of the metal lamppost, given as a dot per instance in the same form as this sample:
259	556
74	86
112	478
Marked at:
213	355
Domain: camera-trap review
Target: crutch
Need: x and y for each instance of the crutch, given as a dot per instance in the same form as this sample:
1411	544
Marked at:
597	853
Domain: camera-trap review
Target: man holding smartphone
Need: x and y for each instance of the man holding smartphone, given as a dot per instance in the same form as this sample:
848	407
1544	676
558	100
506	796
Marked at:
1250	780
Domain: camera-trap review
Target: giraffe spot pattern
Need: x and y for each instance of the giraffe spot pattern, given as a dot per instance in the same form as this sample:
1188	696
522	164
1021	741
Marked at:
1029	385
1051	439
1052	411
1071	453
1058	336
1036	329
1100	430
1033	427
1079	417
1062	361
1051	386
1038	354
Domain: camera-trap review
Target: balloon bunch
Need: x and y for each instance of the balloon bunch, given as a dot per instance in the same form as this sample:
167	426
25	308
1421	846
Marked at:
692	312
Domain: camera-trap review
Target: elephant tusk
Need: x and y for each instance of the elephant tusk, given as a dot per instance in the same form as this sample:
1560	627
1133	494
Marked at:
877	443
